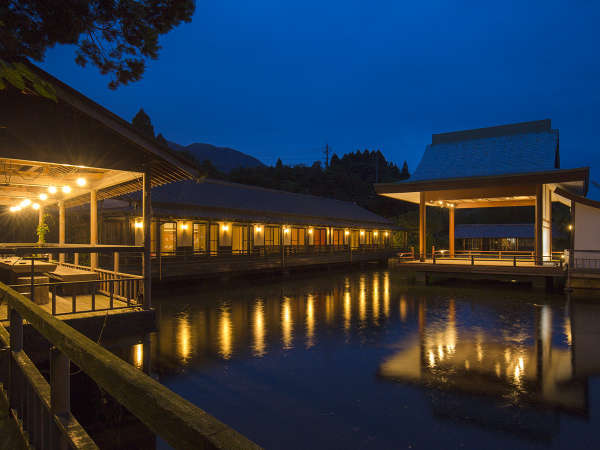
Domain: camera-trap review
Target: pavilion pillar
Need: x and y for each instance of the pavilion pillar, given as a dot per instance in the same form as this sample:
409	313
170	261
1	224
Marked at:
61	228
422	227
147	218
94	226
538	224
546	222
451	231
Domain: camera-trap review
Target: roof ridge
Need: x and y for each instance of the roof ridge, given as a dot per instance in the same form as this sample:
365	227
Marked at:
536	126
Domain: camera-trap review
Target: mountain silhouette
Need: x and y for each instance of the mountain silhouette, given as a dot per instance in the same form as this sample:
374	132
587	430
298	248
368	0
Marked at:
223	158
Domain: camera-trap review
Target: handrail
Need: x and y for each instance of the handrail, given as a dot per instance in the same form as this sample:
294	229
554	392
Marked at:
179	422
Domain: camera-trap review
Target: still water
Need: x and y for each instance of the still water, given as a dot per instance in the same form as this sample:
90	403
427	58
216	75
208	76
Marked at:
364	360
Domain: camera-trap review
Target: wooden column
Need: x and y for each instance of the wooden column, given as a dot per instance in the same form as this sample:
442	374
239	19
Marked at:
61	228
94	227
147	214
451	231
422	226
538	223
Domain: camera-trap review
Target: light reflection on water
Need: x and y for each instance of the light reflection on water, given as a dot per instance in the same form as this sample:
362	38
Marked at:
345	353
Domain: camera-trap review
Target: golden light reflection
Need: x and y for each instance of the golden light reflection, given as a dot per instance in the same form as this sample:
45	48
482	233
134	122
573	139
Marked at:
386	294
375	298
329	308
310	321
431	359
287	324
362	300
259	329
347	310
403	309
225	333
184	337
568	334
138	355
497	369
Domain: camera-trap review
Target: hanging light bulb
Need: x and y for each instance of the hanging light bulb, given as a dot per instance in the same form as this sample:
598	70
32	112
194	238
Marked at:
25	203
43	196
66	189
81	181
35	206
52	189
13	209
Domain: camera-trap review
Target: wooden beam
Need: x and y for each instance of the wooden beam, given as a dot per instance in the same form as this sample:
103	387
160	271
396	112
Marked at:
494	204
498	192
61	228
422	227
451	231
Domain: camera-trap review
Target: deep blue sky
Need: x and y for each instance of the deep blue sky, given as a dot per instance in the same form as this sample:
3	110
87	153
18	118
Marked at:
282	78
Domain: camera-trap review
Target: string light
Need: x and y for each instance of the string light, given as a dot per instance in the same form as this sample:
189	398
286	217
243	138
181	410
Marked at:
25	203
52	189
43	196
36	206
81	181
66	189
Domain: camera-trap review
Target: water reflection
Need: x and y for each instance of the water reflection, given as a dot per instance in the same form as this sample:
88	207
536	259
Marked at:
494	361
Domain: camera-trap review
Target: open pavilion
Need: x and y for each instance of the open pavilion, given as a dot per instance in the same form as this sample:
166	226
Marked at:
516	165
66	152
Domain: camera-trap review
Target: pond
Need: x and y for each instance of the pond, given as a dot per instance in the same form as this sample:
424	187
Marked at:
364	360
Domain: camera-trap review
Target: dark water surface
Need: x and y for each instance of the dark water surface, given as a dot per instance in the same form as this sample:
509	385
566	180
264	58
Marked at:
363	360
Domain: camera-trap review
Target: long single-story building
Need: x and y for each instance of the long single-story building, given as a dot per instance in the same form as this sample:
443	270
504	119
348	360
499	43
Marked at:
198	221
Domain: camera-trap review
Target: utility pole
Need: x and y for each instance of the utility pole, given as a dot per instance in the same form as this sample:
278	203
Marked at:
326	156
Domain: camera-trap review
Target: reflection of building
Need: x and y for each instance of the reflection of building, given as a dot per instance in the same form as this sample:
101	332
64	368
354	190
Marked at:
510	367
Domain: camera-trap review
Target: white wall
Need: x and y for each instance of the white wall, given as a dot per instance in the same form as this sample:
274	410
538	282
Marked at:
587	227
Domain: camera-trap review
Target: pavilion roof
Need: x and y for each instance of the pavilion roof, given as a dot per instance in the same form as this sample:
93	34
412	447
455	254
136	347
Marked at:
500	150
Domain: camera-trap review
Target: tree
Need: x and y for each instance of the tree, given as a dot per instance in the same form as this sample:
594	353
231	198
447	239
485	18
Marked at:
405	174
143	124
117	36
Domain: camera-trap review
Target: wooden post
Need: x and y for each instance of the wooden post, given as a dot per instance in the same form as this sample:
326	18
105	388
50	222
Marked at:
61	228
422	227
451	231
94	226
147	214
538	247
60	392
116	261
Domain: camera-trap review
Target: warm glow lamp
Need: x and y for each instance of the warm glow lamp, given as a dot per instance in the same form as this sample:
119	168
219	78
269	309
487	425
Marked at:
52	189
66	189
184	226
25	203
81	181
258	228
139	224
35	206
224	227
43	196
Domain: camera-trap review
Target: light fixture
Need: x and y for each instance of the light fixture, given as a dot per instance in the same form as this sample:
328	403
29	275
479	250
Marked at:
375	233
570	227
66	189
35	206
81	181
184	226
25	203
362	232
286	230
139	224
310	231
52	189
258	228
224	227
386	234
17	208
346	233
13	209
43	196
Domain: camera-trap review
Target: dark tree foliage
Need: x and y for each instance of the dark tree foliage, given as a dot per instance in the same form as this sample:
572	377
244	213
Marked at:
143	124
117	36
348	178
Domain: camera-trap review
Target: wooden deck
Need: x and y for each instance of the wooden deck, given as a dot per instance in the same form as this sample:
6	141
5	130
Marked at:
539	276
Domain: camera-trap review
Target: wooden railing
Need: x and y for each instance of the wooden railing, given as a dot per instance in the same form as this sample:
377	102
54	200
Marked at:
514	256
43	408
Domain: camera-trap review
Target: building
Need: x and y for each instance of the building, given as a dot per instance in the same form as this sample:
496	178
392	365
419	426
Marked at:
501	237
516	165
214	219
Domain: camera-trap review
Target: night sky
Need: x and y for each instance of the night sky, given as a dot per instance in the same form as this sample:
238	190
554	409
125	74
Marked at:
282	78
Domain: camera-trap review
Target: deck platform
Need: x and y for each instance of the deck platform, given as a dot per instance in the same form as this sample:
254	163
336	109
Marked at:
426	271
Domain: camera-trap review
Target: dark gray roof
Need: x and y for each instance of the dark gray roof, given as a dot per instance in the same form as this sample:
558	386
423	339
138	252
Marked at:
221	200
506	149
511	230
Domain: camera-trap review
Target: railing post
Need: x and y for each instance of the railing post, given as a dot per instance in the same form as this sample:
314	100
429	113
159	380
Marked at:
433	253
53	288
515	261
76	259
112	291
472	260
16	345
60	392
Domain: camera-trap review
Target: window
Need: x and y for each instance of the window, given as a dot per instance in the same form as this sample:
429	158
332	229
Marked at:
319	236
272	236
298	236
239	239
337	238
168	237
368	238
214	239
199	237
354	238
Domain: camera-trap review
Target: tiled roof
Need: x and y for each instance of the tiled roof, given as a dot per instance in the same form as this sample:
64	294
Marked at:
507	149
511	230
218	199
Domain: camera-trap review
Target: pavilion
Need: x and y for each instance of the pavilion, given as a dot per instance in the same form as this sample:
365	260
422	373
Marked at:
502	166
70	151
